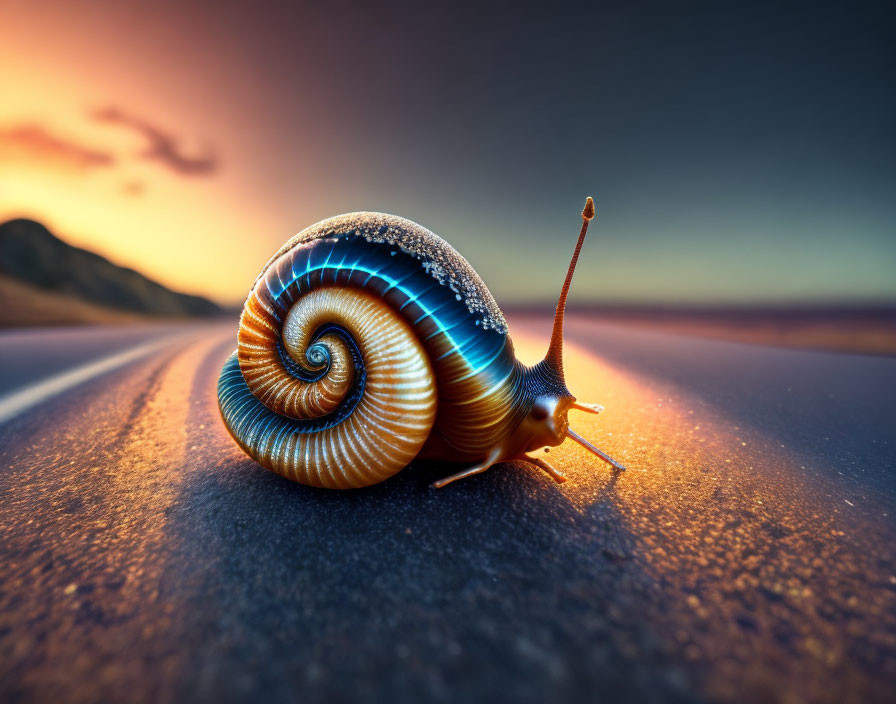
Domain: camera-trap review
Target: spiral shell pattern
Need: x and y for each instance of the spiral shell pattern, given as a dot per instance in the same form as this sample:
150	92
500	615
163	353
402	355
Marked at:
365	342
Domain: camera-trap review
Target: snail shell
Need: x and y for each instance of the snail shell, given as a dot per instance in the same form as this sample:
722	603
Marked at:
365	339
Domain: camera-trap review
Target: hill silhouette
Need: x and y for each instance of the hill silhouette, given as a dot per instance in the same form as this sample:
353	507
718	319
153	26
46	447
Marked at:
32	255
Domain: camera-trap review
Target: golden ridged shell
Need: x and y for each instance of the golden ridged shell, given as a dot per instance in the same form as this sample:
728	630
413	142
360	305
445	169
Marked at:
390	422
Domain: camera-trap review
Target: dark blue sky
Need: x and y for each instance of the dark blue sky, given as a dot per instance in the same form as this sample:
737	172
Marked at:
738	151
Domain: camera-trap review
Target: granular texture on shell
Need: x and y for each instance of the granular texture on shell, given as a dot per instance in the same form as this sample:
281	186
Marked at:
438	258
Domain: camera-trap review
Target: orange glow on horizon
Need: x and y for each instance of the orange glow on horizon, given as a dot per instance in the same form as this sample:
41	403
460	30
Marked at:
208	236
297	140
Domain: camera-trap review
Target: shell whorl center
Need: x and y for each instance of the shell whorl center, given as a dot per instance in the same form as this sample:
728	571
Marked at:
333	337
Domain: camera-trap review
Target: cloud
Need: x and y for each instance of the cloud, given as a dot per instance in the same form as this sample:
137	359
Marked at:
162	146
133	188
34	142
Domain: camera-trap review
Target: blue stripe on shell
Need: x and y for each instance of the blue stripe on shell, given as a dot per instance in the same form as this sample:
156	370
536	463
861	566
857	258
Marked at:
393	274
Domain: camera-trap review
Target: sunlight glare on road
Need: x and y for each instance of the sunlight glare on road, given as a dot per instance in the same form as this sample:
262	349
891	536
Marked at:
733	523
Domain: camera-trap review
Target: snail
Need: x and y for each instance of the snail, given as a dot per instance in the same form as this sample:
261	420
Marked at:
367	342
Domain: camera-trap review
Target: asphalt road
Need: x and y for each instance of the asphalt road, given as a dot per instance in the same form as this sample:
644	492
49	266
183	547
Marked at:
747	554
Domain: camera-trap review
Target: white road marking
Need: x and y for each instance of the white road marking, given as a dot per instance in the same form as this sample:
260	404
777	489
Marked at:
16	402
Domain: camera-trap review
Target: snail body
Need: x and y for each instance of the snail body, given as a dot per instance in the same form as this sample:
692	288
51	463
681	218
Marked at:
367	341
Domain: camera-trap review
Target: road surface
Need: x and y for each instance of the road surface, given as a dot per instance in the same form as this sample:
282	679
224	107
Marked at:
747	554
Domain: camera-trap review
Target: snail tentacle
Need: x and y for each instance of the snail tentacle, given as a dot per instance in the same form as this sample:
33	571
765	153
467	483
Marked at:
546	467
493	458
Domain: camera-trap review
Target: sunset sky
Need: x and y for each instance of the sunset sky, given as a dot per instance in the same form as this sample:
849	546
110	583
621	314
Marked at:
738	152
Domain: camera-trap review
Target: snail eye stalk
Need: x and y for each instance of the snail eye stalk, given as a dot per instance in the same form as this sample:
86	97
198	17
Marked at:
591	448
555	350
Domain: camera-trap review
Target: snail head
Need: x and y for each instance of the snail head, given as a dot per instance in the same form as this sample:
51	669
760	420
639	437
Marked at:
547	423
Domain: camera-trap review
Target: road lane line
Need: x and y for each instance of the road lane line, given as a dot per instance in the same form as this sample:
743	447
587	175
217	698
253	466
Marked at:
16	402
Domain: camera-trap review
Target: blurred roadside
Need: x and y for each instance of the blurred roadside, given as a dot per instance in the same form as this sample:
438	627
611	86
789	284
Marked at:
852	329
